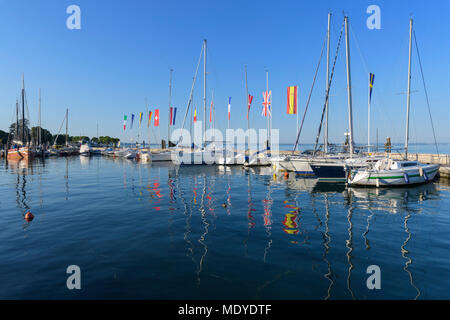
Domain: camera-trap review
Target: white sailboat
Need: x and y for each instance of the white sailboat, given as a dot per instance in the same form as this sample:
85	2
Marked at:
388	172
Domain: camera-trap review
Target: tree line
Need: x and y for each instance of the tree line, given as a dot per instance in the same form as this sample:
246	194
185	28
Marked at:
16	132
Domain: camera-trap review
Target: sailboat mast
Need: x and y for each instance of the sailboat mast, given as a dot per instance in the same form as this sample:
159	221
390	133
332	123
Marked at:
248	115
368	118
39	135
204	94
170	105
23	110
408	94
349	88
327	84
16	133
268	115
67	127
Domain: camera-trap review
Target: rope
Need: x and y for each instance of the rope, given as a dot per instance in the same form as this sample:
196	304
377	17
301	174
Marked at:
426	93
329	86
309	97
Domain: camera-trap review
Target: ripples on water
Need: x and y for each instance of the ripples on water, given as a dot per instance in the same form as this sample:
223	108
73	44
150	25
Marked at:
162	232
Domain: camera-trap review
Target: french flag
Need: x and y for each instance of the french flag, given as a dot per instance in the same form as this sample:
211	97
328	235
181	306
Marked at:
229	108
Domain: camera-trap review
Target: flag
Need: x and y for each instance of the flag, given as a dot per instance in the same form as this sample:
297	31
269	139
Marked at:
195	115
266	103
124	122
211	110
229	108
174	115
292	100
250	99
149	119
140	119
156	117
170	116
371	79
132	120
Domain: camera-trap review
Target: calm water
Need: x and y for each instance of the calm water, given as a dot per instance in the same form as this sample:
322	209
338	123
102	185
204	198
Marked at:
161	232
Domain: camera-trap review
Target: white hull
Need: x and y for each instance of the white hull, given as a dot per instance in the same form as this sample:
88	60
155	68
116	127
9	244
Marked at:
397	177
161	156
298	165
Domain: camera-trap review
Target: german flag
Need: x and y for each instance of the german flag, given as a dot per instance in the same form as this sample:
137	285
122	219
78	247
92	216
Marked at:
292	100
371	79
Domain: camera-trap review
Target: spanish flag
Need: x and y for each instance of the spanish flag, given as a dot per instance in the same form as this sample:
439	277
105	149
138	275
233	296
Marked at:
371	79
292	100
195	115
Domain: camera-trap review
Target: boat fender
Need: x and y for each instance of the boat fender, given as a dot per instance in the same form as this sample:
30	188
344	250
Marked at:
406	177
286	174
378	182
29	216
421	172
425	176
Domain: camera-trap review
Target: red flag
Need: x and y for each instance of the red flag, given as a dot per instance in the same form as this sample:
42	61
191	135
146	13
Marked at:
171	115
210	111
156	117
250	99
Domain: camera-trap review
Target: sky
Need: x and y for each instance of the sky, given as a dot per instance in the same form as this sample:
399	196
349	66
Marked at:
121	57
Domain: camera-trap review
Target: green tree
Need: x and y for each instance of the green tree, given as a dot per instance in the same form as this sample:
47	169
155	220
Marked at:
46	136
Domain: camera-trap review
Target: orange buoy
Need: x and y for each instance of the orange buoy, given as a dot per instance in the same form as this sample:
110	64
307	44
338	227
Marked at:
29	216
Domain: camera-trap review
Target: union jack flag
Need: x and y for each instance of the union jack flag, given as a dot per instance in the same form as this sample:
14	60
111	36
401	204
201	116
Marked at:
267	96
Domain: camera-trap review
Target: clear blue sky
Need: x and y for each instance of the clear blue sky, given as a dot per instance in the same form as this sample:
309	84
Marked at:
124	50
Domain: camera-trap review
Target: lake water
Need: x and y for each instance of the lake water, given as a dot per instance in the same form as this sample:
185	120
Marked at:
156	231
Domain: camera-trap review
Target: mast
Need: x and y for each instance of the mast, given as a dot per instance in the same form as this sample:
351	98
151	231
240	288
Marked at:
248	117
268	121
170	104
16	136
368	118
409	89
39	133
204	94
23	110
67	127
349	88
328	76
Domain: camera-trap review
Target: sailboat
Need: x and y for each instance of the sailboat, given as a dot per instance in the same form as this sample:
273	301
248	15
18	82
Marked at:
195	155
389	172
21	147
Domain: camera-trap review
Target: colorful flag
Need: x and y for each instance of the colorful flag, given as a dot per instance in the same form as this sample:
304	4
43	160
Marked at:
292	100
149	119
211	110
229	108
195	115
174	115
124	122
140	119
132	120
266	103
170	116
371	79
250	99
156	117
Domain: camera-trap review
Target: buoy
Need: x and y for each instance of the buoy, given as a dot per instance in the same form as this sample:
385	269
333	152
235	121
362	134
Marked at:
286	174
224	205
274	176
29	216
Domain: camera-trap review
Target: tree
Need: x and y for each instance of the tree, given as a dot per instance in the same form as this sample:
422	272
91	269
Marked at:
3	137
16	131
46	136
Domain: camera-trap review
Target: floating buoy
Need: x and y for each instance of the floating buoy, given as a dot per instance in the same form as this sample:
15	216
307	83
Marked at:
29	216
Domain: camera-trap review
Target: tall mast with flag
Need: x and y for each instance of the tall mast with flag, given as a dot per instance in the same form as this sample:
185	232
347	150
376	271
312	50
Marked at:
371	79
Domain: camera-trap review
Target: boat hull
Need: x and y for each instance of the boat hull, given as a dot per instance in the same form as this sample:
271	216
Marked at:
382	178
20	153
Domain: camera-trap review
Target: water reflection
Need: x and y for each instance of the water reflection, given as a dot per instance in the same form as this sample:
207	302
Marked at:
293	224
